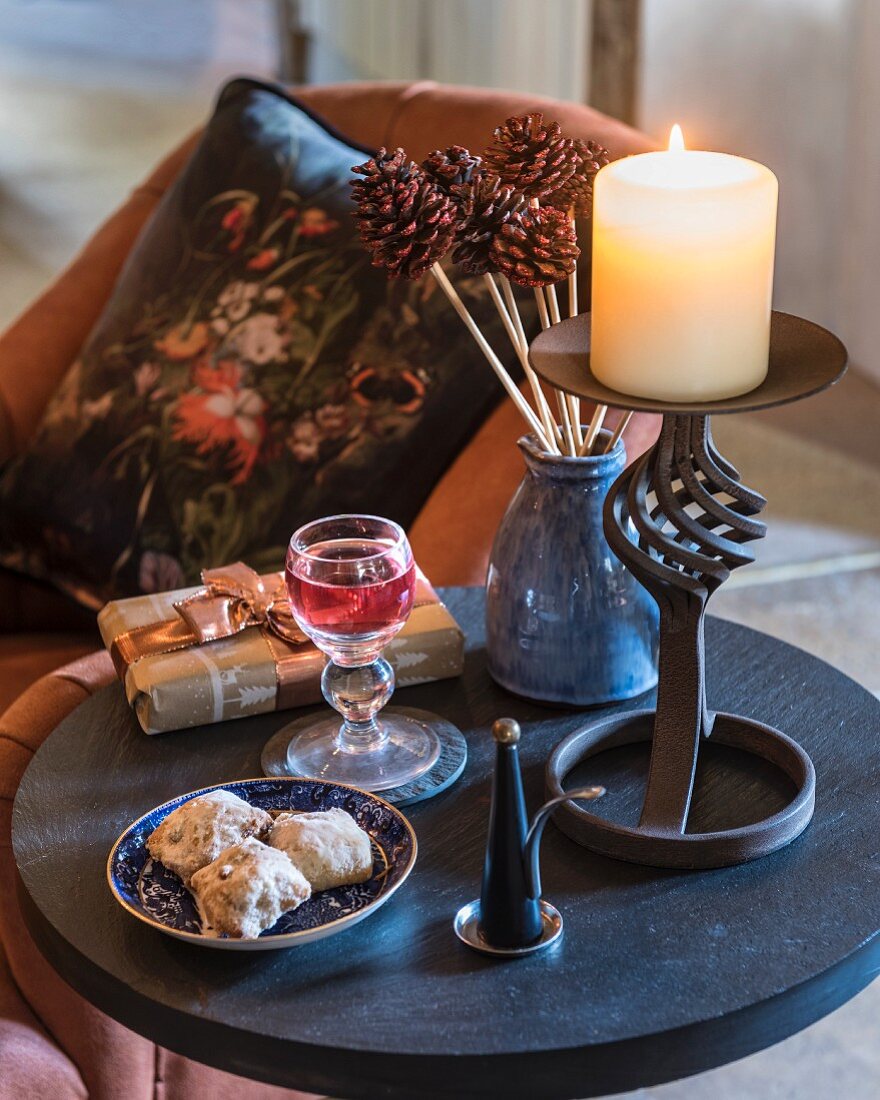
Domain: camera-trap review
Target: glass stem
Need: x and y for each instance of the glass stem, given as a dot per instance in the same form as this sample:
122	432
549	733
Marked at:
358	694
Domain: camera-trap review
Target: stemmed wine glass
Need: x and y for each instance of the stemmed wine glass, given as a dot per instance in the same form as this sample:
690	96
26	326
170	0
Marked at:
351	581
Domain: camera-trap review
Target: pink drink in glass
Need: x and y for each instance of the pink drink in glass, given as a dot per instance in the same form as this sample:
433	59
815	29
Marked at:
351	581
365	601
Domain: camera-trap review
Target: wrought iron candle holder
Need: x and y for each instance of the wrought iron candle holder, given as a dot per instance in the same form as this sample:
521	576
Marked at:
680	518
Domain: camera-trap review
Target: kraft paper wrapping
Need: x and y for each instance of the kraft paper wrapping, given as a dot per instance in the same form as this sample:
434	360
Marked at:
239	676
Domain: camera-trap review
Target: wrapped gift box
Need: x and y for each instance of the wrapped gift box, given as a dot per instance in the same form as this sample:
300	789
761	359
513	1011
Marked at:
230	649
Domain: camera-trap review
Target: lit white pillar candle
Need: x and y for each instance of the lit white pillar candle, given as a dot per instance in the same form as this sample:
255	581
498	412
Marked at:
683	246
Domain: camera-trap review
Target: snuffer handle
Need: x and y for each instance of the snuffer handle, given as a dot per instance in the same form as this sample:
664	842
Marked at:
532	849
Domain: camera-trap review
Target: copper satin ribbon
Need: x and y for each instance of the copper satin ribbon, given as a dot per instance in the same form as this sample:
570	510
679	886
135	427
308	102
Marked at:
234	598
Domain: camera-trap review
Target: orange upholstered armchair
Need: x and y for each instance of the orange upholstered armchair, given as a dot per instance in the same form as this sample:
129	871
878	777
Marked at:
54	1044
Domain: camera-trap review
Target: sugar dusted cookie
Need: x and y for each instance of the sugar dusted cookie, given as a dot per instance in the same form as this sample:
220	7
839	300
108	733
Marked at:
327	846
247	888
195	833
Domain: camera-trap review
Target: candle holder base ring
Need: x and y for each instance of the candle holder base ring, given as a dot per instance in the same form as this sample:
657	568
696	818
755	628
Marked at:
652	844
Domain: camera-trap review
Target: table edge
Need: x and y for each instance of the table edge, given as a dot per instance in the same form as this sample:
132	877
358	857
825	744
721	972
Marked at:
636	1062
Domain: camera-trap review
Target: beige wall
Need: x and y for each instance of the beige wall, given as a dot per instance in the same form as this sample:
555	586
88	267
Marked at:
859	246
791	83
539	46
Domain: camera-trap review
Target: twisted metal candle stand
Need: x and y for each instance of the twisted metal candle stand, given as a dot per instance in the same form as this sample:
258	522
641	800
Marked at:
680	519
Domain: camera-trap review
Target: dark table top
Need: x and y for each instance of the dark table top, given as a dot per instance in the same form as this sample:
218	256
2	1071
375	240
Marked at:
660	973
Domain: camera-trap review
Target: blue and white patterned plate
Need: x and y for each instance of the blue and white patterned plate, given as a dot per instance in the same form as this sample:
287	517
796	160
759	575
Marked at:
154	895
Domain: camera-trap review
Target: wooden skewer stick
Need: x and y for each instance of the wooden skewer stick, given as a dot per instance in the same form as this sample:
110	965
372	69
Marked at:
542	307
494	362
574	415
573	294
594	429
619	430
574	412
573	277
555	315
543	296
513	325
601	410
516	317
513	309
564	416
503	311
573	312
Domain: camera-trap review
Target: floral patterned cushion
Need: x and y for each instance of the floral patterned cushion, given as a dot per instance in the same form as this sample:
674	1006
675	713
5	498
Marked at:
250	372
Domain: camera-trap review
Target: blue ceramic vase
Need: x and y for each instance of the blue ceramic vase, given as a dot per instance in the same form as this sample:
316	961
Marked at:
566	622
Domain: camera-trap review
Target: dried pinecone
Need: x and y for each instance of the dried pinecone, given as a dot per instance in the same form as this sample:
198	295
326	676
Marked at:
535	247
453	172
531	155
576	194
404	218
490	206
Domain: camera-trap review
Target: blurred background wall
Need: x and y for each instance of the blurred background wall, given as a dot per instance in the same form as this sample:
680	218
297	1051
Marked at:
772	80
92	91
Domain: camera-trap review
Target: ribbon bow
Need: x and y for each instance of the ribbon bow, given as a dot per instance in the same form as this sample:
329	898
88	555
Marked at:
234	599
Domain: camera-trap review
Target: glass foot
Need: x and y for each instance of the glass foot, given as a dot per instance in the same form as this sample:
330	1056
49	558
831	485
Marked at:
410	749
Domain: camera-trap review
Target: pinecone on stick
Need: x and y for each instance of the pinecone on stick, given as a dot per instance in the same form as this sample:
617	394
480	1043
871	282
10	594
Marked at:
535	247
576	194
490	204
531	155
453	171
404	218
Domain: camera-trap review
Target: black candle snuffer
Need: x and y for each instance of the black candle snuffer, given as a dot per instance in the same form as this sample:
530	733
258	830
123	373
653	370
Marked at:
511	919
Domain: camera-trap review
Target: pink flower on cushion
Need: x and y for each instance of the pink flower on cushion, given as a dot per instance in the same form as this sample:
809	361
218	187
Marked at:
97	409
146	378
235	299
304	439
159	572
263	259
315	223
237	220
259	340
333	420
222	413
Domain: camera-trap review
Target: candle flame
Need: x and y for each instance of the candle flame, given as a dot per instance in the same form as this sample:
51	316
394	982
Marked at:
676	139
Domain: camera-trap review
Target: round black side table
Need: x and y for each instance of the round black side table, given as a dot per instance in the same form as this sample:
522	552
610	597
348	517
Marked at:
660	974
